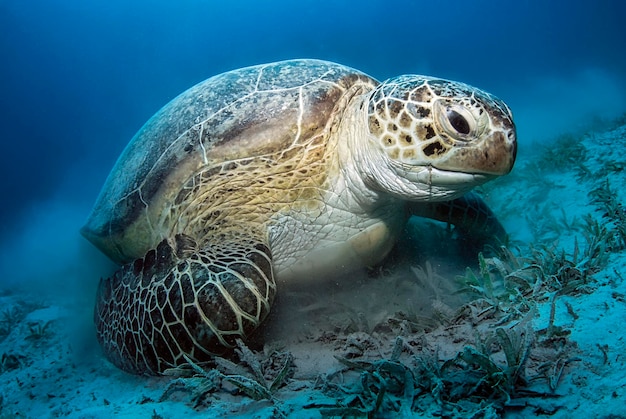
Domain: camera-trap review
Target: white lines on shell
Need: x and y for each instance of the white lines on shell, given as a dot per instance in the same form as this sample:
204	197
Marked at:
145	210
204	155
258	79
300	114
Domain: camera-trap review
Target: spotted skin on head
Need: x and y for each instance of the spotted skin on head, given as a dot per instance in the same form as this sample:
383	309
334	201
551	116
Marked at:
427	121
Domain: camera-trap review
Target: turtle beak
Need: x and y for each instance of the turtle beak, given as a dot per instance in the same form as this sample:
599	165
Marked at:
494	154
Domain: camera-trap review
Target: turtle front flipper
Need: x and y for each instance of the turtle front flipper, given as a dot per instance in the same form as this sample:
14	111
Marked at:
469	214
182	300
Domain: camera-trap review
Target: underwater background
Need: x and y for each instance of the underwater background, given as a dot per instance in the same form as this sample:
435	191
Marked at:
79	78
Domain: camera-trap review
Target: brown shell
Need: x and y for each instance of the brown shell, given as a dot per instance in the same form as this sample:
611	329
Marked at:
261	113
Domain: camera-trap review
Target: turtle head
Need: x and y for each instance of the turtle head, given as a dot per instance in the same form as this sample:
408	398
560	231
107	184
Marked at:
438	138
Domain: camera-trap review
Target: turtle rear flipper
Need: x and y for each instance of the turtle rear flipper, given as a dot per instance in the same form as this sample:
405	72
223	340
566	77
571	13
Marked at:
179	300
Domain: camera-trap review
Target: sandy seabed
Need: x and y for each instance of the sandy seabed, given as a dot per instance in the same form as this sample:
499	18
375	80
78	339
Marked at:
536	331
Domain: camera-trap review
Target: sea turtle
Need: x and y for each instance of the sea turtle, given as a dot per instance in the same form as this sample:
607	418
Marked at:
273	173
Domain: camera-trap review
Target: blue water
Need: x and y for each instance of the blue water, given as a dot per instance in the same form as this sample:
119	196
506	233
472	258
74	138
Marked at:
78	78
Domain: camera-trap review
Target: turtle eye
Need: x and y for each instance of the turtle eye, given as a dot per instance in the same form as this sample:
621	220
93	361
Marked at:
455	120
458	122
